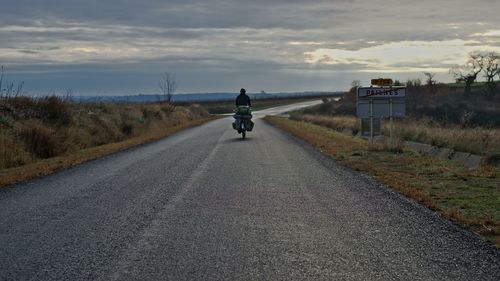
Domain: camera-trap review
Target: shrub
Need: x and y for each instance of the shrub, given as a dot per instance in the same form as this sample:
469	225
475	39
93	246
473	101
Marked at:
197	110
41	141
168	108
11	154
55	110
127	129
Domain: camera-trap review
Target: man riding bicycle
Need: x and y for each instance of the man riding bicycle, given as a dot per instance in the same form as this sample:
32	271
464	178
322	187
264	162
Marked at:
243	113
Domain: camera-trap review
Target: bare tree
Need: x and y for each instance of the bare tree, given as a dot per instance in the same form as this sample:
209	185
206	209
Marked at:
167	86
491	69
413	89
468	72
430	82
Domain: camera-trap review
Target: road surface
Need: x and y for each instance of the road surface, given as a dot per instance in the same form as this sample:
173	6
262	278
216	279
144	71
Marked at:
206	205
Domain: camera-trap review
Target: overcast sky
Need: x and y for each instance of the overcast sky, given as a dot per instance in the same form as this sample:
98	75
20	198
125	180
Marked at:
121	47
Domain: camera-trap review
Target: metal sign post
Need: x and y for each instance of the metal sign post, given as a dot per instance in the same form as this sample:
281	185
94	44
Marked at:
391	124
371	120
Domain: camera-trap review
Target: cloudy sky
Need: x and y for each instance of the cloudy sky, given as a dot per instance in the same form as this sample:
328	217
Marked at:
121	47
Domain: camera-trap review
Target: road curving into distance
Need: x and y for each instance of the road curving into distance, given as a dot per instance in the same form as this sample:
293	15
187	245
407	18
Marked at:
205	205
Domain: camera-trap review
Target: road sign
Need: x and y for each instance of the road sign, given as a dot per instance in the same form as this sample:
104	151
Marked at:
382	82
374	103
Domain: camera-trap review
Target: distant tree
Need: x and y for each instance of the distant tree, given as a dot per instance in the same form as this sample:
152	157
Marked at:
167	85
430	82
491	69
468	72
413	89
414	82
397	83
350	96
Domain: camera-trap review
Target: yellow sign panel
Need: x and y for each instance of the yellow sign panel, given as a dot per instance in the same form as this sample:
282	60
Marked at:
382	82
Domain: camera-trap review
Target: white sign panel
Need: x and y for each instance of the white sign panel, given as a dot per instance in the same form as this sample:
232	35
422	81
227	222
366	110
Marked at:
378	102
381	108
380	92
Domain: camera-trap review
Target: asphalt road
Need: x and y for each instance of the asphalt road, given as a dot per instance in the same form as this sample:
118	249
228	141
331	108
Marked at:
206	205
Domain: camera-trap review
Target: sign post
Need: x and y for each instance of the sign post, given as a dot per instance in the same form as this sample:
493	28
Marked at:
371	120
381	102
391	124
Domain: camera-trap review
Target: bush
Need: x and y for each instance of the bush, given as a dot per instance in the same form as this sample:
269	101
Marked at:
11	154
41	141
127	129
55	110
460	114
168	108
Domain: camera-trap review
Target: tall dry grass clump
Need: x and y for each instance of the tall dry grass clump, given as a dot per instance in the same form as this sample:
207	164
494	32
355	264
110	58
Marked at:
338	123
40	141
476	140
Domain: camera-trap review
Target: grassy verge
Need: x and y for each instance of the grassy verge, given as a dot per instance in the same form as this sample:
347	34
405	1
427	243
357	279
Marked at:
50	165
470	198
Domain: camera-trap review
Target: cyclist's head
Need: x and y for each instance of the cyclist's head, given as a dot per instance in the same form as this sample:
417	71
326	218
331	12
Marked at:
243	91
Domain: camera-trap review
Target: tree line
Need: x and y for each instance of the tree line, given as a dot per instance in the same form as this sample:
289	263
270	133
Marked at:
487	64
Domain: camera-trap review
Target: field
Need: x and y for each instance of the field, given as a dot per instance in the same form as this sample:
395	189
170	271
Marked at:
259	104
41	135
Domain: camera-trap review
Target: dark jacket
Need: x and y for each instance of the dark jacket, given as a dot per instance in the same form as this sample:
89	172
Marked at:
243	99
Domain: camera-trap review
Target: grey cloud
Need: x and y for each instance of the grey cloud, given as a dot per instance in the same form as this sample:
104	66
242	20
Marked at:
28	51
211	38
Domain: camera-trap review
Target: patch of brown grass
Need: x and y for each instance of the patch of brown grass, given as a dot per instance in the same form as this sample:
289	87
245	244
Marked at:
478	140
338	123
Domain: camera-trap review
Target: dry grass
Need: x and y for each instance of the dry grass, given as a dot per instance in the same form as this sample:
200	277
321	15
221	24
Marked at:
37	133
481	141
338	123
467	197
47	166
